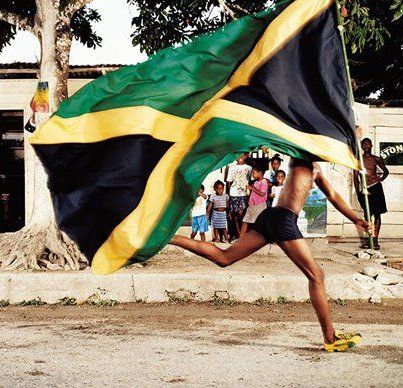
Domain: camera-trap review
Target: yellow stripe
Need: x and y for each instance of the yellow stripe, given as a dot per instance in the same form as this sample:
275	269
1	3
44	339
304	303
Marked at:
280	31
107	124
325	147
134	231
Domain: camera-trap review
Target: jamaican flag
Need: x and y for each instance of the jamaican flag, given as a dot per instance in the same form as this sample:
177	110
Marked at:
127	153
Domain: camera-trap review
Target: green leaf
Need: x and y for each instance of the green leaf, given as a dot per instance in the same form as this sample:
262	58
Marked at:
397	15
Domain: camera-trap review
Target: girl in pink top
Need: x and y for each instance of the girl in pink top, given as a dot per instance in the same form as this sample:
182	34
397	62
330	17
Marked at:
257	199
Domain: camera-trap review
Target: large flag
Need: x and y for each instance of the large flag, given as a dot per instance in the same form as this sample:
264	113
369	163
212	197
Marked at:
127	153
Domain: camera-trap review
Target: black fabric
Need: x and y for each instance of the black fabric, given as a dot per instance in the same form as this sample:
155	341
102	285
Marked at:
305	83
376	199
95	186
277	224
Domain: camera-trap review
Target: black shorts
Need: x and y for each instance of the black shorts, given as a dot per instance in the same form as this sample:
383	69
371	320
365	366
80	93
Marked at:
376	199
277	224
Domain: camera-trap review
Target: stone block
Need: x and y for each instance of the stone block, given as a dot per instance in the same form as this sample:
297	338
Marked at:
372	271
375	299
389	278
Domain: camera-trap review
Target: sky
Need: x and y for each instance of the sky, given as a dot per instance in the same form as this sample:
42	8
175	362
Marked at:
115	29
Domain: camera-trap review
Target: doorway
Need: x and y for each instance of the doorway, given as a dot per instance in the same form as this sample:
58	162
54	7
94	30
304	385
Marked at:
12	190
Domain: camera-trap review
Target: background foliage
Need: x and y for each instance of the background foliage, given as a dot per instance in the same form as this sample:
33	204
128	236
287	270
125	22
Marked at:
373	30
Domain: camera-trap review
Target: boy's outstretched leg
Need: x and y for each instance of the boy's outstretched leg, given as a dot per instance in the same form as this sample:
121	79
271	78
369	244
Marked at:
300	254
240	249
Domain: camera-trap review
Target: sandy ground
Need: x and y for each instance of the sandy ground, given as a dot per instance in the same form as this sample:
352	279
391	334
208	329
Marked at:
197	345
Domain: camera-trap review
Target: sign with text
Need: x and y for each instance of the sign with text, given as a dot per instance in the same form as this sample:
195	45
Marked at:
392	153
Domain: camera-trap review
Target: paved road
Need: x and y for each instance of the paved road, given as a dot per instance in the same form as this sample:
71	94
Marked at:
195	345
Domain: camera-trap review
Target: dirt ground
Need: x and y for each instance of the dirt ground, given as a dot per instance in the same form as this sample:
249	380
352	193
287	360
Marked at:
217	345
180	315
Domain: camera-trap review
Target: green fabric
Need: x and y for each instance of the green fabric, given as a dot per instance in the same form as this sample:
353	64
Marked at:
176	80
209	154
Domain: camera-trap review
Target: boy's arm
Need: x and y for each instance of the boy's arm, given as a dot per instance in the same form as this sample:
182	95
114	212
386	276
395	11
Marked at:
381	165
258	192
229	180
269	184
338	202
228	187
356	181
209	208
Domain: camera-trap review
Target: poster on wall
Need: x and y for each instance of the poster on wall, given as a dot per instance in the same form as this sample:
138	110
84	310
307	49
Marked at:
312	219
392	153
40	101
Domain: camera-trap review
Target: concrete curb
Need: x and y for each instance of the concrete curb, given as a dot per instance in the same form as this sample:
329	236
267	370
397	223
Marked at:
50	287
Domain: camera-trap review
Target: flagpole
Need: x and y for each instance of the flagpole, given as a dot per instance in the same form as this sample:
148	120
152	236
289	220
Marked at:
350	89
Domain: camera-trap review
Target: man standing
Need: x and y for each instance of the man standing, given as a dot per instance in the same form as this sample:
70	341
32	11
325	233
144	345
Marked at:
279	225
238	180
376	197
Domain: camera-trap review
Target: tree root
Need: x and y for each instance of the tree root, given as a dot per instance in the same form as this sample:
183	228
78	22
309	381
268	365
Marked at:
40	247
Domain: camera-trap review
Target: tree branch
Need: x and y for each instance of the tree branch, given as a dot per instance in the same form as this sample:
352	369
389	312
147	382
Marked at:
39	8
73	6
16	20
227	8
240	8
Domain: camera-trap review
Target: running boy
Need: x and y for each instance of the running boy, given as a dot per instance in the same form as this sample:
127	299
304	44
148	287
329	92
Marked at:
257	199
199	215
217	209
279	225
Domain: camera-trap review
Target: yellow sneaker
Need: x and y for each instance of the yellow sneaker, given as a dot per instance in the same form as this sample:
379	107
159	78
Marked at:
343	341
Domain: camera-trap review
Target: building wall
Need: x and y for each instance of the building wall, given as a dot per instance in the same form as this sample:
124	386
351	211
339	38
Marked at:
17	93
380	124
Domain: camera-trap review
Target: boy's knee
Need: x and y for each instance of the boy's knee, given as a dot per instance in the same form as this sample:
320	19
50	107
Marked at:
316	275
224	258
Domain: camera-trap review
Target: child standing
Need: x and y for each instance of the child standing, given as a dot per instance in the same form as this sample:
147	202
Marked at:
279	178
217	209
237	180
199	215
257	199
270	176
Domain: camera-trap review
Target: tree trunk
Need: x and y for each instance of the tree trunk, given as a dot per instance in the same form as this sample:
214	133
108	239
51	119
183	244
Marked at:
40	244
54	68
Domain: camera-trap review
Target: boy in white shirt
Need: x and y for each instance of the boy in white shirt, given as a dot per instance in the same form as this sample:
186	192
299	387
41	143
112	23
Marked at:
238	180
279	178
199	217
